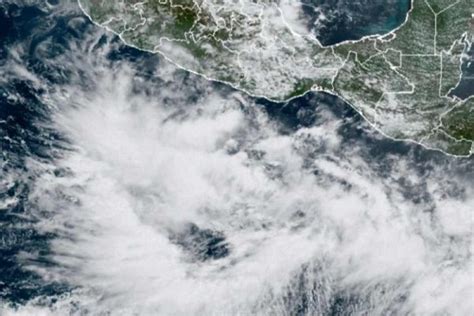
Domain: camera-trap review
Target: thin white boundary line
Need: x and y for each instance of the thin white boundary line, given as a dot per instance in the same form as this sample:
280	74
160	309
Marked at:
314	89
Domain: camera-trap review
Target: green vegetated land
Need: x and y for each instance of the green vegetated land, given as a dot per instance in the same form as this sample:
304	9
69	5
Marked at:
401	82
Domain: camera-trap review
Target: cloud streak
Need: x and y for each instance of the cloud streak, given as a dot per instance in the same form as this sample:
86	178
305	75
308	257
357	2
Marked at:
160	164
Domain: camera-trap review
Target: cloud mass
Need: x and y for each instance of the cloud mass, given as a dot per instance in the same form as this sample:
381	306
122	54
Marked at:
173	195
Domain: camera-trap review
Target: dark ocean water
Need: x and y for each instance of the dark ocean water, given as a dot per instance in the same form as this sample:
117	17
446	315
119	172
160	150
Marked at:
465	88
42	32
335	21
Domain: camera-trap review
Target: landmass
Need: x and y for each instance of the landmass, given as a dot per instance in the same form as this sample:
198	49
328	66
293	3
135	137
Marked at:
400	82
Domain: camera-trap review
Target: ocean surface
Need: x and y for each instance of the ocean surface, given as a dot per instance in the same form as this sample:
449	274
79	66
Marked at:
337	21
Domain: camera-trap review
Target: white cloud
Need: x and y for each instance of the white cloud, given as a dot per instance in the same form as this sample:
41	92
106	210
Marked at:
142	169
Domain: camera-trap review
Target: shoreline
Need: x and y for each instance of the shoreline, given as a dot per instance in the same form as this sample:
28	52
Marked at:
312	90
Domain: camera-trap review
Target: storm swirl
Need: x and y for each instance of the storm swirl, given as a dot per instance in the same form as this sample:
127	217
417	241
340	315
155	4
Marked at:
131	187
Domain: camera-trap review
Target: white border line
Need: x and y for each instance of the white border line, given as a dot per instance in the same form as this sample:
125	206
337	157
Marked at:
316	89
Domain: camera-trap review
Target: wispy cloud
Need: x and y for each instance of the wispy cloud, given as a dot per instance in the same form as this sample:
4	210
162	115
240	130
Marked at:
309	223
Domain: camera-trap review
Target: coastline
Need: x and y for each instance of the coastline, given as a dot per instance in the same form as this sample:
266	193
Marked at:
317	90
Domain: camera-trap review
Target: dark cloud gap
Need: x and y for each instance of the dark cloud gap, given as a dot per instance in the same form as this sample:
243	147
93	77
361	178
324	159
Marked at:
201	244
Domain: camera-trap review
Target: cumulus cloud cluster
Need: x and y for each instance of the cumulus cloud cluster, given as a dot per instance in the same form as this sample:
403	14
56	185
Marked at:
177	196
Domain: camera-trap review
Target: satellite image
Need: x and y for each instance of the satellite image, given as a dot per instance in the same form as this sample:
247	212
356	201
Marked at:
237	157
